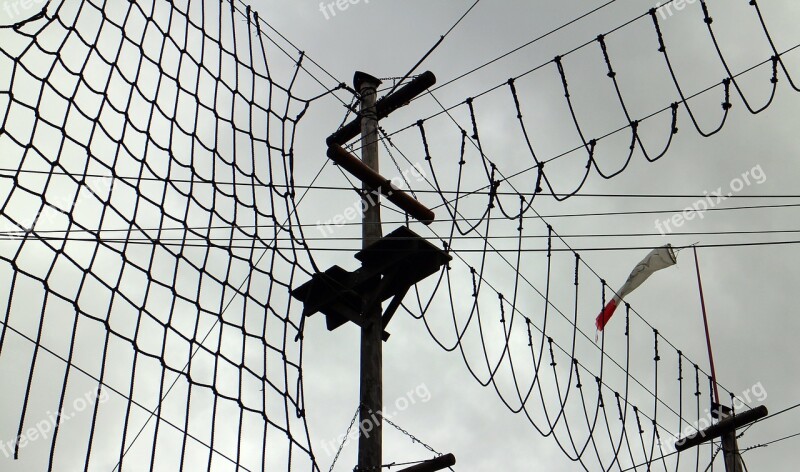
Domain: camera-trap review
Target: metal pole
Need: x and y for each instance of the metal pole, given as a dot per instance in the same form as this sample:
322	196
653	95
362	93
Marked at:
708	337
730	448
370	435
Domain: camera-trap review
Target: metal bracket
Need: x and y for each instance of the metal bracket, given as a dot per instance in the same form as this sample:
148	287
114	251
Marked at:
390	267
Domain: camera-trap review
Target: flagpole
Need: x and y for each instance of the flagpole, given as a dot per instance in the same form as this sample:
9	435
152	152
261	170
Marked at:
708	336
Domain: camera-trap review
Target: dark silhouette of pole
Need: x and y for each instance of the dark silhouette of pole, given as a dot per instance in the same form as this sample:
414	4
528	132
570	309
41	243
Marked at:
439	463
370	438
730	447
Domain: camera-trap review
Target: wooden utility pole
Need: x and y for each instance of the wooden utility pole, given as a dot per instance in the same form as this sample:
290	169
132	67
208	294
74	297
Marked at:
730	447
725	428
370	456
390	266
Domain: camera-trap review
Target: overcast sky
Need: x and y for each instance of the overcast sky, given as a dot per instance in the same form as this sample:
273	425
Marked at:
432	386
748	290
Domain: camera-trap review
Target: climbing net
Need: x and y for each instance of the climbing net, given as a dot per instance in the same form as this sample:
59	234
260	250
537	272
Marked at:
148	240
151	239
518	301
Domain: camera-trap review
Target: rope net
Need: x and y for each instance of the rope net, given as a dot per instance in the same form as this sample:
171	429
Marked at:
140	140
151	239
518	303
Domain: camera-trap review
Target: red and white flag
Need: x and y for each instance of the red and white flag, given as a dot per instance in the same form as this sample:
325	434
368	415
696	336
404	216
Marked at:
659	258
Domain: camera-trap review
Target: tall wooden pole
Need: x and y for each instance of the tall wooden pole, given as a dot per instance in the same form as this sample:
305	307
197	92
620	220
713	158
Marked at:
730	447
370	436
